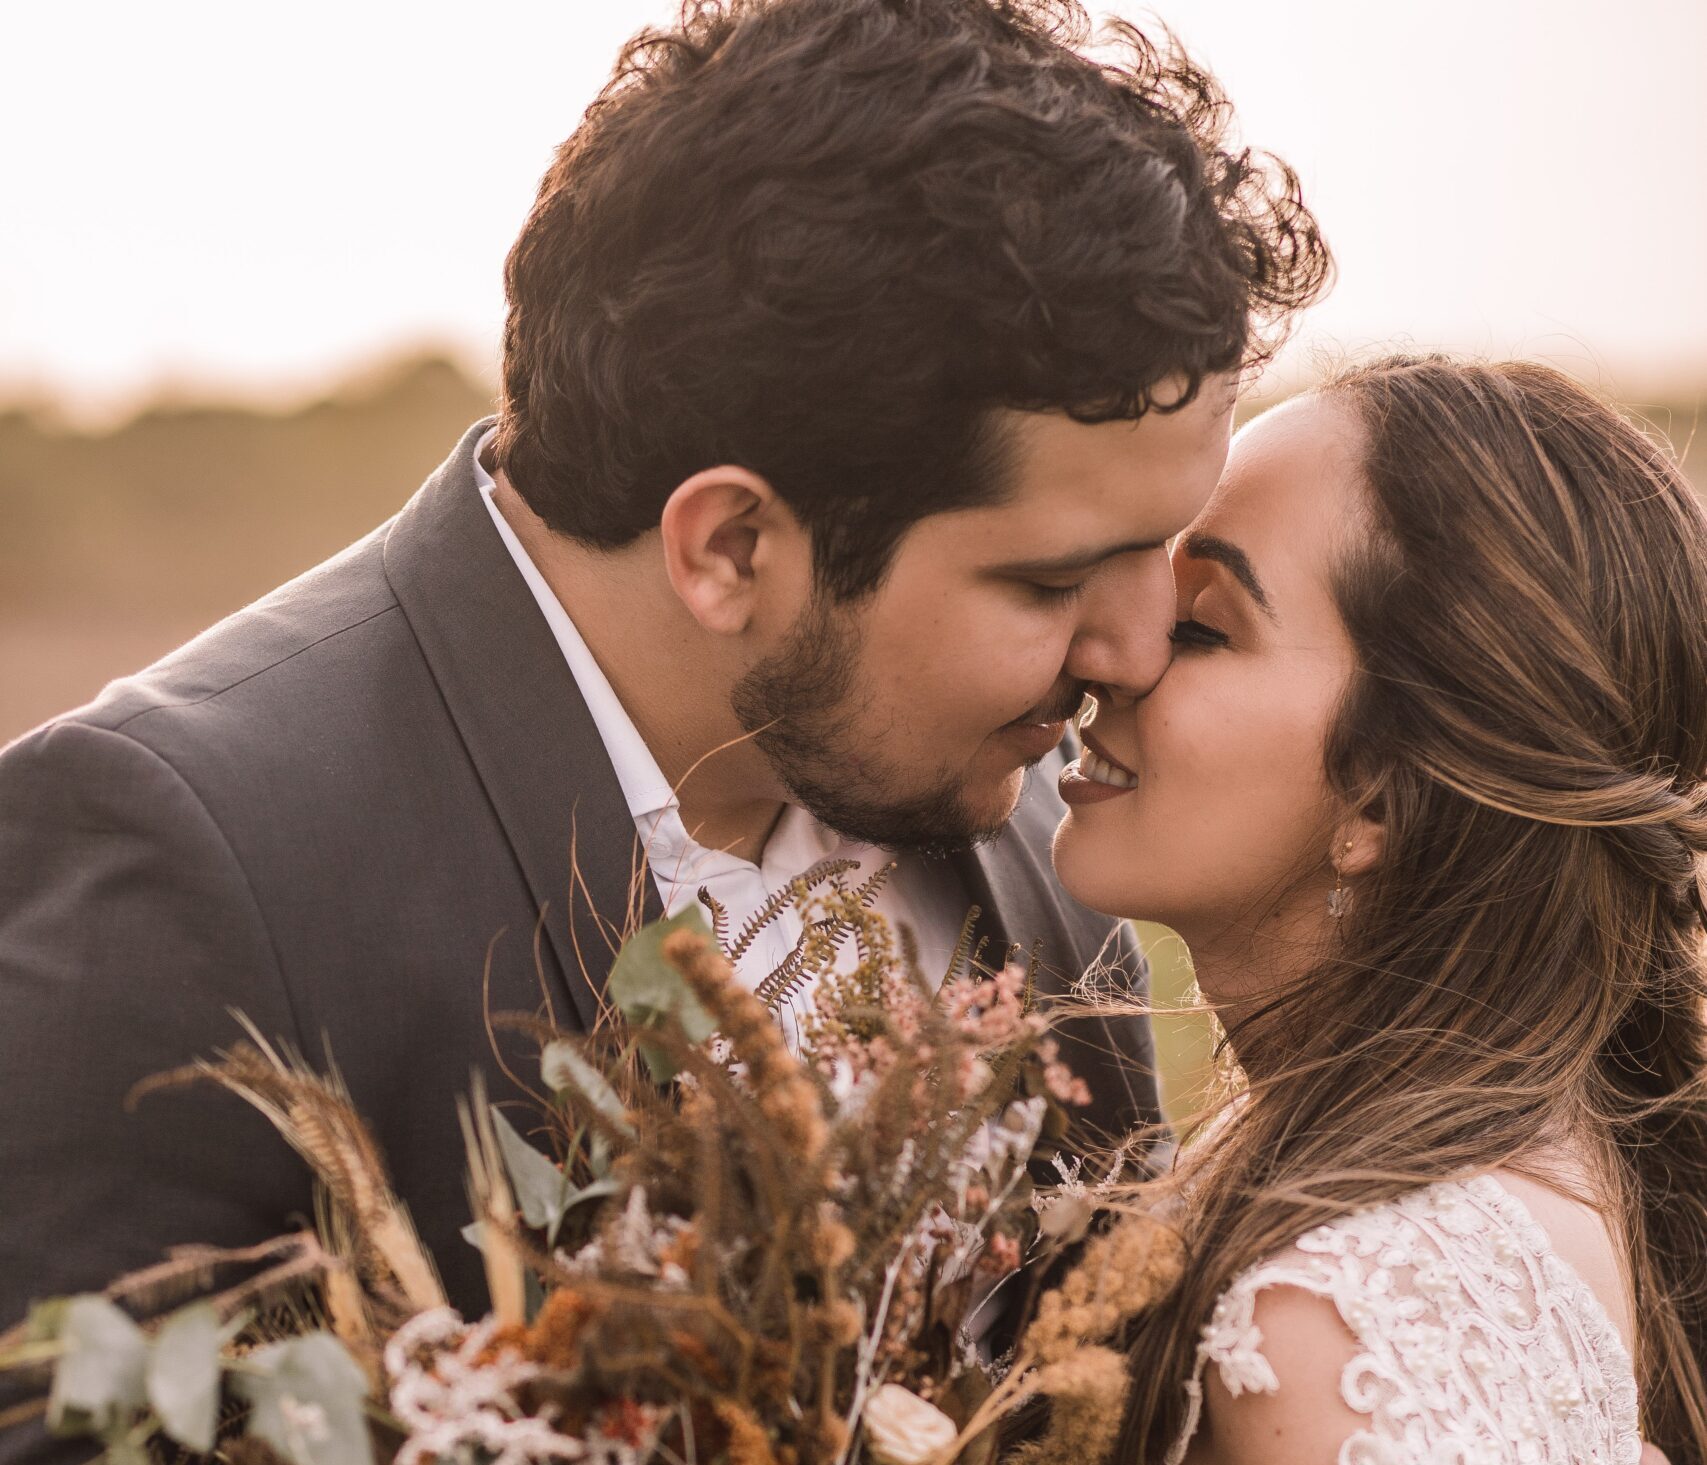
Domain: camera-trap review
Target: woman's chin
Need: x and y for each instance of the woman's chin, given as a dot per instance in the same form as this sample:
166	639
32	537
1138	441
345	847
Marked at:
1087	872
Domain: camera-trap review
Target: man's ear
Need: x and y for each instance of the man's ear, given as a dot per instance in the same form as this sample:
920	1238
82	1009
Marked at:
722	530
1359	843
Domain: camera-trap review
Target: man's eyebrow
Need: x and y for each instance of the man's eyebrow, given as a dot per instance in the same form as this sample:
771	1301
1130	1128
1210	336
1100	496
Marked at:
1220	552
1084	559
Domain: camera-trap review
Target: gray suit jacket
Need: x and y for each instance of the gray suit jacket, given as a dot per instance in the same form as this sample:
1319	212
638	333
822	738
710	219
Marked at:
323	813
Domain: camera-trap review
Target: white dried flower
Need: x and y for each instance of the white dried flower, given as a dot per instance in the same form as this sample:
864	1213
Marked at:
903	1429
1065	1217
851	1091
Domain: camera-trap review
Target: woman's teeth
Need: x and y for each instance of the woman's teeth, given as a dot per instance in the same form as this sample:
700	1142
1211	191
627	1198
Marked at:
1100	770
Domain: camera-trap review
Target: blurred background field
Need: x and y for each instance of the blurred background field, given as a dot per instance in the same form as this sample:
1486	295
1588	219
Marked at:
118	544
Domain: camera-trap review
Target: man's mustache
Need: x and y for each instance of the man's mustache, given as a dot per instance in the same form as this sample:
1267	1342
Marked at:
1059	706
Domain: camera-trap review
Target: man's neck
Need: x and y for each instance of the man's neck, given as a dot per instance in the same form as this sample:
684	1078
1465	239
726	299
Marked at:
670	682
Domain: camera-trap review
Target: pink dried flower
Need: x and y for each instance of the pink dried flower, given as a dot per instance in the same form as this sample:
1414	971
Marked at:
1001	1255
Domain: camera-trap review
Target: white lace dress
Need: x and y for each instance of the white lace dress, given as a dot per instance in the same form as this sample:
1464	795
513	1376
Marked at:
1477	1344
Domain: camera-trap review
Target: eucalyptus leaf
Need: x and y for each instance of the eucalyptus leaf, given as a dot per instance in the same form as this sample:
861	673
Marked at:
306	1398
99	1381
647	988
538	1183
593	1190
544	1193
183	1375
563	1067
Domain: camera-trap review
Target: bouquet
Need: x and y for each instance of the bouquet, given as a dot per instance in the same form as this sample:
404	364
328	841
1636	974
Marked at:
708	1247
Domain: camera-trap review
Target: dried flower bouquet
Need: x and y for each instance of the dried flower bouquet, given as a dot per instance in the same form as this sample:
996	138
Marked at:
734	1252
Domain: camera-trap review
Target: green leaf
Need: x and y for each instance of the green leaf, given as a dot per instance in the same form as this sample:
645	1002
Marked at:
183	1375
538	1183
649	991
563	1067
544	1200
98	1384
597	1190
306	1399
646	988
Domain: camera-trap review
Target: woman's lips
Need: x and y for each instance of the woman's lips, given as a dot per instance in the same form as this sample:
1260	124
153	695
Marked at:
1094	777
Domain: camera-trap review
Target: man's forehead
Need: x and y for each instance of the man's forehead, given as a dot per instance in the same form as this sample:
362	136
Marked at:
1171	460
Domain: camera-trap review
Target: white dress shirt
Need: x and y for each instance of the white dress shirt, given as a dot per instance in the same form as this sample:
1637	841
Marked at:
928	898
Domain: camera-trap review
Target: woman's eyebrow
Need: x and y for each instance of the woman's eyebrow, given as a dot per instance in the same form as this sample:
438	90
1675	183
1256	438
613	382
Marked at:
1220	552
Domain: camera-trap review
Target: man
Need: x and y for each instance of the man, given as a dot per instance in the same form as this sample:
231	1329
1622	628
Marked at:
861	359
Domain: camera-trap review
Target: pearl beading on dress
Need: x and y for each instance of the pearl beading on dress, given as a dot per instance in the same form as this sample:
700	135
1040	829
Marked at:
1478	1344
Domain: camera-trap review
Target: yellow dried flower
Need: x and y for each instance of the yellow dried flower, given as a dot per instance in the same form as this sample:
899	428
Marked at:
1094	1372
1124	1271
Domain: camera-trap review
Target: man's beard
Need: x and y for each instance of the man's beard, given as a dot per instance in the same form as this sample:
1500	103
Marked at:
800	704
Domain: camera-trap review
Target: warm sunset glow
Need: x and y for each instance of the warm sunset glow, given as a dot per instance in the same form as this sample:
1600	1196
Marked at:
251	196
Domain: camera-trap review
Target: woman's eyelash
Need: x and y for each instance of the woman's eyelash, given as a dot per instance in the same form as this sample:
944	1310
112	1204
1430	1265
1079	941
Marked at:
1058	592
1195	633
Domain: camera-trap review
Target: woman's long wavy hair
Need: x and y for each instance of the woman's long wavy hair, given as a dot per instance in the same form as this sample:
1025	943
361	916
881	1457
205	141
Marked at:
1528	719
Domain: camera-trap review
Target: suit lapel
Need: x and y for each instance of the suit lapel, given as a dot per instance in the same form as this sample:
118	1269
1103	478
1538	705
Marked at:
1024	908
521	717
1012	881
1003	880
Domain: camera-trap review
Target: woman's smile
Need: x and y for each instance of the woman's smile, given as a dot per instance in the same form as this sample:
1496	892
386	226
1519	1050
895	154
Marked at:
1095	775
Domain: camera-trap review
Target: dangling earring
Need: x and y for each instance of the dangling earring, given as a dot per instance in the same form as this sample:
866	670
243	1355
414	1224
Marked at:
1339	897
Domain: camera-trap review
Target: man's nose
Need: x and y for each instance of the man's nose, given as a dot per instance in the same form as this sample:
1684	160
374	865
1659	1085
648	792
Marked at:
1122	639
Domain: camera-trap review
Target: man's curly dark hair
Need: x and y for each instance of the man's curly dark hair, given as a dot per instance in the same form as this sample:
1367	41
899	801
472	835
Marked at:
821	239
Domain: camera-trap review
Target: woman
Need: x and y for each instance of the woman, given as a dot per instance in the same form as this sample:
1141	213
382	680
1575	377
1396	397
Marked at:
1423	792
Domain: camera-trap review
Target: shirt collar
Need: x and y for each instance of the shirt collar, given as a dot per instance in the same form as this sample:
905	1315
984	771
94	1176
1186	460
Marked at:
644	786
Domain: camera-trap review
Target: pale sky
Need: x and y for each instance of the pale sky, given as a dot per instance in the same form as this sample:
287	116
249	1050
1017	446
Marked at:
251	196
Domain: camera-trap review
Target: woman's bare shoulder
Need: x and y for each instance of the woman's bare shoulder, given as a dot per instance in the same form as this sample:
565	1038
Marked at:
1563	1205
1302	1421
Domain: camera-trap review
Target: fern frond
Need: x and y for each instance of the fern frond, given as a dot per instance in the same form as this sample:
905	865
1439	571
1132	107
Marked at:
909	951
791	894
963	946
797	970
780	985
719	918
867	893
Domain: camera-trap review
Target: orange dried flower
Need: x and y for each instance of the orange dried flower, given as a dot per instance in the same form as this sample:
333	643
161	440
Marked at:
749	1444
700	1354
554	1339
509	1338
625	1420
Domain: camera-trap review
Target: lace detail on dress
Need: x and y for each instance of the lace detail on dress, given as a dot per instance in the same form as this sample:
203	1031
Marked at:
1479	1344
